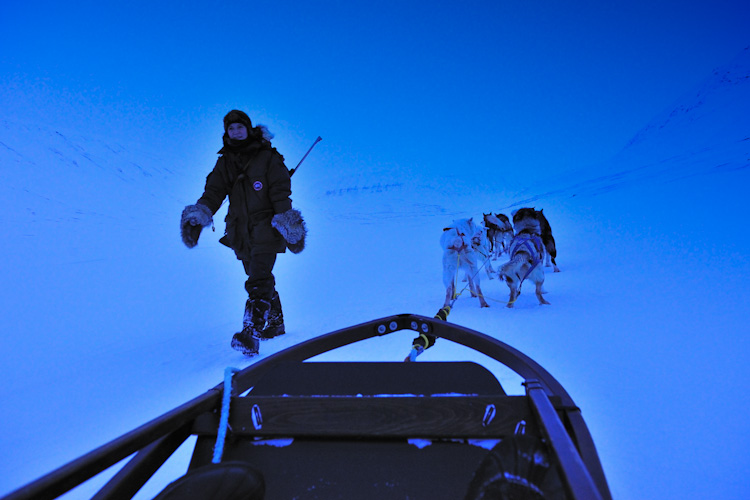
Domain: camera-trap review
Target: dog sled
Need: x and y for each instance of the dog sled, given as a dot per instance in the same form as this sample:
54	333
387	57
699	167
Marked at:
286	427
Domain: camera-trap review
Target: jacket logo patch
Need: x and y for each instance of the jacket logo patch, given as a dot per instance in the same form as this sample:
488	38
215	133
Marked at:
257	185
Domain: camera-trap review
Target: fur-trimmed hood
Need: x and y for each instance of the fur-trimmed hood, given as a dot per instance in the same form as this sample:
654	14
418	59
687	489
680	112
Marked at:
256	135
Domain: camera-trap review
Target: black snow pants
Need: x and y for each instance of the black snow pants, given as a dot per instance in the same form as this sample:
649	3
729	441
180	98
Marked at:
260	282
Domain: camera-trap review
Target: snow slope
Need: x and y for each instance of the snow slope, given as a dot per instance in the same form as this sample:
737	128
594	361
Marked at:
108	321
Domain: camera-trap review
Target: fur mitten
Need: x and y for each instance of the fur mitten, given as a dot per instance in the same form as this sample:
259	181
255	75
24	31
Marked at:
292	227
194	219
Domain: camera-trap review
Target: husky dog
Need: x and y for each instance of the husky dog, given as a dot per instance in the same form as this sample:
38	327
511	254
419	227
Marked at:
548	240
526	255
499	233
462	242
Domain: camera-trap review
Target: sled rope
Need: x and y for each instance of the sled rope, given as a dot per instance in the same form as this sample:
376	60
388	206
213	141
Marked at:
502	301
455	279
428	340
221	435
535	261
417	348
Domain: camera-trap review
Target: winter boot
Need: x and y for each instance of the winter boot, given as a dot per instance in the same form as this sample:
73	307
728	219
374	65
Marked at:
275	325
256	313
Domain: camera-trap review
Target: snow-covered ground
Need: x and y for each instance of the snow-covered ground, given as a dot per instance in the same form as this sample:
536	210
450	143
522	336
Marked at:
108	321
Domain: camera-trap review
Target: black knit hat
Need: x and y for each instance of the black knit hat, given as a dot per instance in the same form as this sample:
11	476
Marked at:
237	116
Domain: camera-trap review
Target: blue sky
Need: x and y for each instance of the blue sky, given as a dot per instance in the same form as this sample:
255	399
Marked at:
503	86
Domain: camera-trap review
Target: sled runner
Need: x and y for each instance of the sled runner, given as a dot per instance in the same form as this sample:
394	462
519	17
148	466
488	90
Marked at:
287	428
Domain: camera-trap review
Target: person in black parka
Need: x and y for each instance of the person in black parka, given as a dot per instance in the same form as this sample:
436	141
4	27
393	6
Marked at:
260	221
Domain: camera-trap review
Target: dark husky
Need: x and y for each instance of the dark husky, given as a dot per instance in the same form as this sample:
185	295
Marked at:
499	233
548	240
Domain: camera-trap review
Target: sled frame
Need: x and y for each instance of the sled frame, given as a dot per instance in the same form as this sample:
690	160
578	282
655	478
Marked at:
151	444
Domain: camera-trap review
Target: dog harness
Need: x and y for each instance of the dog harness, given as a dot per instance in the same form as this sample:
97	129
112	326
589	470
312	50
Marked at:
533	244
475	242
460	235
463	250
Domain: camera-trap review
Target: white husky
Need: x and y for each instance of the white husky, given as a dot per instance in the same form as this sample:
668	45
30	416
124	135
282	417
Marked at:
463	242
526	256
